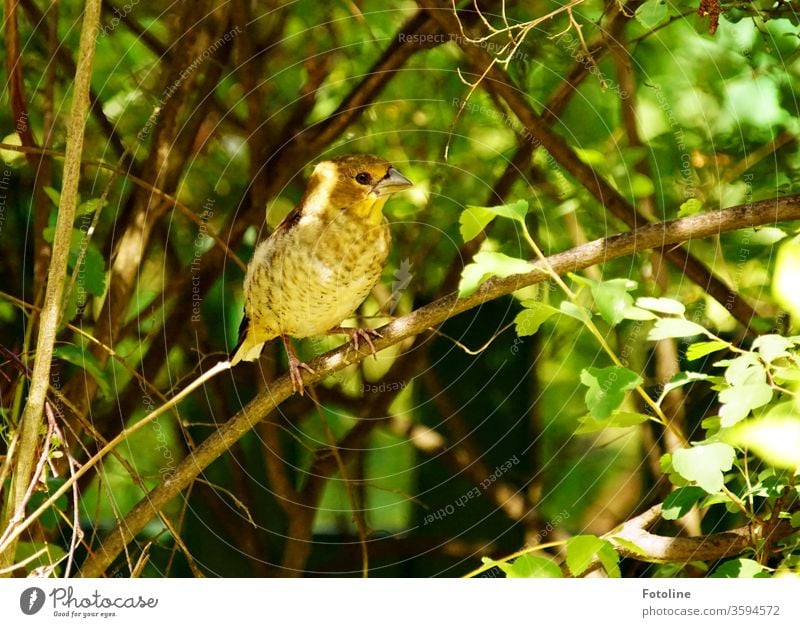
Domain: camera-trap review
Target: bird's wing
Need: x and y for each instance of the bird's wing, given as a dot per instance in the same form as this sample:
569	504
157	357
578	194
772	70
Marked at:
247	349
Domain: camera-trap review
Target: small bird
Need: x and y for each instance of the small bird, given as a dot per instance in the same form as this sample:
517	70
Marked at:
321	261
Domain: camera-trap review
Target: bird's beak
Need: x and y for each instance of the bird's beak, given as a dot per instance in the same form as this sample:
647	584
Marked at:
391	183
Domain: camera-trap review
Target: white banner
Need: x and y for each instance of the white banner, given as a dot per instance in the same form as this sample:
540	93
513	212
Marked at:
388	602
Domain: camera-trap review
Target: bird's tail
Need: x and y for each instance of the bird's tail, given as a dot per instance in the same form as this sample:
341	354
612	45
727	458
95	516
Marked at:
248	348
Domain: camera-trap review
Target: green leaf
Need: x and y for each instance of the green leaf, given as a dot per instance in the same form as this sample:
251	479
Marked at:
612	298
701	349
689	208
652	13
572	310
744	369
620	419
775	436
784	277
607	387
84	359
581	551
680	501
609	558
795	520
514	211
54	195
631	546
661	305
486	265
90	206
772	346
636	313
50	557
92	274
681	379
738	401
472	221
705	464
532	566
674	327
531	318
741	568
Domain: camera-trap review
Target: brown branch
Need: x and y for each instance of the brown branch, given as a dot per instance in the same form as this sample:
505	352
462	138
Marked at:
598	251
663	549
499	82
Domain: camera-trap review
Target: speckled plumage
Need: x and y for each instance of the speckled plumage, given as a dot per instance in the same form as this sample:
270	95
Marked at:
322	261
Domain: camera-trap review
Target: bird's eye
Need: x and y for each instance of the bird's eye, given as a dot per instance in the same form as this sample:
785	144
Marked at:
363	178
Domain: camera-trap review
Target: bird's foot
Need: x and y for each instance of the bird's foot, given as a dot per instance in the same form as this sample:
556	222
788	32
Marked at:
354	334
295	365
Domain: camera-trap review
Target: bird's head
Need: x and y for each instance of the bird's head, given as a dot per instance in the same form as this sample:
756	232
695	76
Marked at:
357	183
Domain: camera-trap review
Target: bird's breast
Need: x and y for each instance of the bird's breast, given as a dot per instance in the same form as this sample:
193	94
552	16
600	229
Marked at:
312	276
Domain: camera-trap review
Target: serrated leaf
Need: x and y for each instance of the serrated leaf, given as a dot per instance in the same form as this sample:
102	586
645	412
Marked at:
674	327
620	419
531	318
533	566
738	401
84	359
743	370
581	551
631	546
679	502
772	347
609	558
701	349
741	568
607	388
472	221
661	305
489	264
612	298
704	464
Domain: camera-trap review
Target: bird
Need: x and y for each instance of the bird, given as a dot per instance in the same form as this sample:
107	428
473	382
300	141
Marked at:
321	262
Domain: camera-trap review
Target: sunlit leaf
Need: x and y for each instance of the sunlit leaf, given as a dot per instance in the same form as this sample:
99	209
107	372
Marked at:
533	566
704	464
701	349
680	501
607	388
661	305
531	318
486	265
674	327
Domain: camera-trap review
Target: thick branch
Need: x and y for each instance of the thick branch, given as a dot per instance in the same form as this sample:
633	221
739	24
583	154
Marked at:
666	549
598	251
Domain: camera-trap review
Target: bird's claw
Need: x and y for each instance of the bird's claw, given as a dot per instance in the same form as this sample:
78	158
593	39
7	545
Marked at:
354	334
295	365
